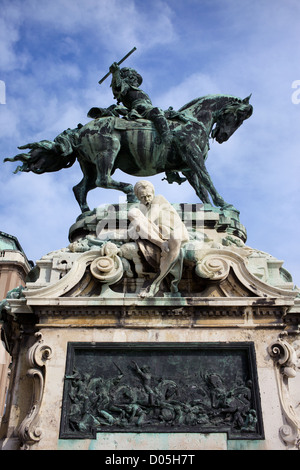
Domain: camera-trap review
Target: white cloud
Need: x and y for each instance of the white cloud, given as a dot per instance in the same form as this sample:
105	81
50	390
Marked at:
10	22
116	23
8	123
193	86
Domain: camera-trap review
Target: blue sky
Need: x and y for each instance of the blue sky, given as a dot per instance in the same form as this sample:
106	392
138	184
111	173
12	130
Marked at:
52	55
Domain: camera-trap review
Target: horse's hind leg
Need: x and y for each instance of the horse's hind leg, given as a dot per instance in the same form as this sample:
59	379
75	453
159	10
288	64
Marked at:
86	184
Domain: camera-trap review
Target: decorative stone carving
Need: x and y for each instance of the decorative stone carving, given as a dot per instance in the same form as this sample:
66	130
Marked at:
37	357
15	293
157	222
213	267
108	267
154	248
286	365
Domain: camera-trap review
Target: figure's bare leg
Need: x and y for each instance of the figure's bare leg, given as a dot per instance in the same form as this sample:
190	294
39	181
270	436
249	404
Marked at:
176	272
147	230
168	260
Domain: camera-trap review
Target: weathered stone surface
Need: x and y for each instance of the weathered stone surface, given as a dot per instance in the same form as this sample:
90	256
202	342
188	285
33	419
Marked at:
216	260
224	299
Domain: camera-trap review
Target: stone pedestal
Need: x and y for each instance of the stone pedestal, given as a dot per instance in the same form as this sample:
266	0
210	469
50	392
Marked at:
96	366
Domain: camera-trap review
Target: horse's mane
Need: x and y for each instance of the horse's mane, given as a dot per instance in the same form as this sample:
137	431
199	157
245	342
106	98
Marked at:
206	101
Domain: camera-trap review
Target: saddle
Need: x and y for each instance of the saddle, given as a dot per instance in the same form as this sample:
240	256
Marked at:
132	118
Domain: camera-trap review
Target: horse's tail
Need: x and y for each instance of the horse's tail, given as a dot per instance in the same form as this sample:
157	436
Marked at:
44	157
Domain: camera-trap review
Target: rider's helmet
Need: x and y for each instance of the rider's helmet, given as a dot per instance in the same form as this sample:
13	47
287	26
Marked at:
131	76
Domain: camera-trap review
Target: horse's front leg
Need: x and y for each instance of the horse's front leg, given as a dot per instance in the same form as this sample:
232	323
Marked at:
216	197
201	180
193	179
105	160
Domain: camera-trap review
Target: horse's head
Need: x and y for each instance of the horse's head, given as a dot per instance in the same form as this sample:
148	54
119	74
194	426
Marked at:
230	118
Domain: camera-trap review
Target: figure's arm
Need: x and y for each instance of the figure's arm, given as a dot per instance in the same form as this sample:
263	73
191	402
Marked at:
117	82
145	228
136	367
158	205
118	63
115	70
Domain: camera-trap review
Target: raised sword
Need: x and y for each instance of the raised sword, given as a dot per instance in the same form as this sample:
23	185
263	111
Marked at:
119	63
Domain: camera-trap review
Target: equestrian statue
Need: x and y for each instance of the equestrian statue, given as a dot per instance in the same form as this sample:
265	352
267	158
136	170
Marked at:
141	140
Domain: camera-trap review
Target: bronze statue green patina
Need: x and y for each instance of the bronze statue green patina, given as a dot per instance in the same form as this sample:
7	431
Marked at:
108	143
145	141
126	89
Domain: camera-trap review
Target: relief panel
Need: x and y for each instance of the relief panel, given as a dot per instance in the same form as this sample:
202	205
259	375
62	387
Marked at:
161	387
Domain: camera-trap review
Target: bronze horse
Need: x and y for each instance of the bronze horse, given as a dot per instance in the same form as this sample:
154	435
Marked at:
108	143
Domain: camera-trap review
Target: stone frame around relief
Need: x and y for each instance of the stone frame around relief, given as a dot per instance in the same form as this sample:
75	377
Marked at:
161	388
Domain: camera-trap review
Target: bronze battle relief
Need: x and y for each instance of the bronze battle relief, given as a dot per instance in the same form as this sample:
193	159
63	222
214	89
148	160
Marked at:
161	387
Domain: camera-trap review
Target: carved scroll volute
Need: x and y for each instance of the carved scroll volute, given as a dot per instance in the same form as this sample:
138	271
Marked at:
286	363
108	268
37	357
213	267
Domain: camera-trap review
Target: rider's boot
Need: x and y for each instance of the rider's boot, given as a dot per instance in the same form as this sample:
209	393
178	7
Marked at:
163	129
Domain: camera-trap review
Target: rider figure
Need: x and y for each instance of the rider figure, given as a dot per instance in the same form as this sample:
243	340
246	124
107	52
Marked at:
125	86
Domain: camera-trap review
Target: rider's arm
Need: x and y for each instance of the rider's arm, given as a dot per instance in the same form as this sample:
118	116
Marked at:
117	83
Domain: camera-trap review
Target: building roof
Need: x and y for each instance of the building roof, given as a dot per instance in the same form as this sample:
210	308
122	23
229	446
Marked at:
9	242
